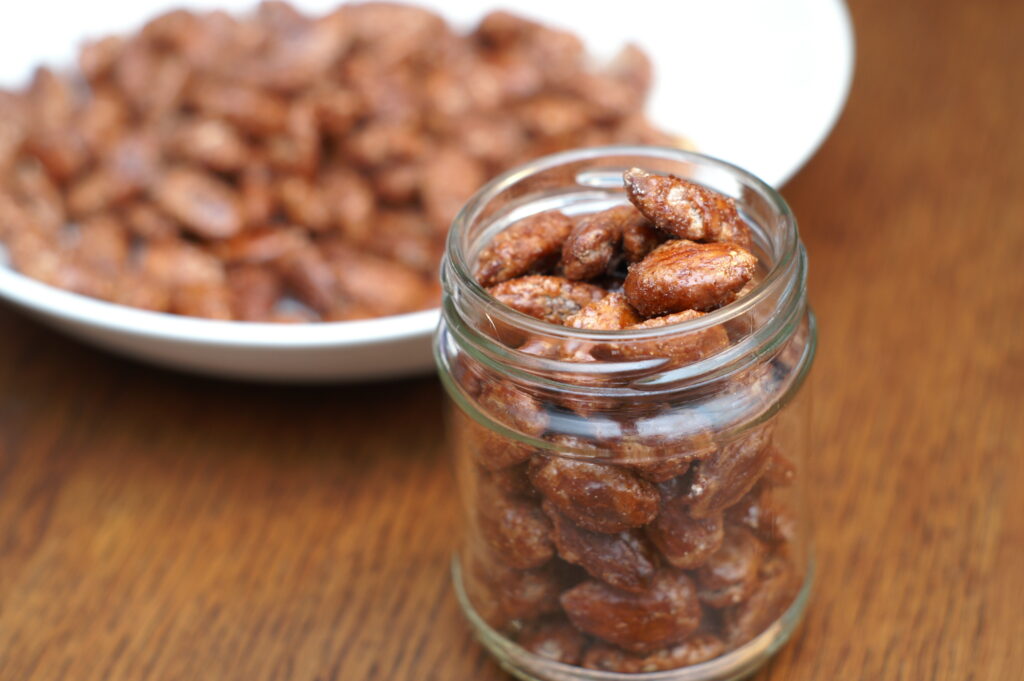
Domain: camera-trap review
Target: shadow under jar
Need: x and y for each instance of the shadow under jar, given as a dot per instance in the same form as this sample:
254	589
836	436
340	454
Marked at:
633	498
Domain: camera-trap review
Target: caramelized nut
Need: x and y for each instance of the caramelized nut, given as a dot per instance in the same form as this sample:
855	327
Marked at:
680	348
699	647
721	480
596	496
524	247
592	244
684	209
516	530
684	541
775	592
552	299
203	204
663	615
624	560
449	178
762	512
502	594
683	275
381	287
554	638
611	313
212	143
730	574
254	291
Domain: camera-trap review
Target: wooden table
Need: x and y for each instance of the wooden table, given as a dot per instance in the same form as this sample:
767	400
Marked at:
158	526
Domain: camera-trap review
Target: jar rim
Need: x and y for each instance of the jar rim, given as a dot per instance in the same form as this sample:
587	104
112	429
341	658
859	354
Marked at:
456	261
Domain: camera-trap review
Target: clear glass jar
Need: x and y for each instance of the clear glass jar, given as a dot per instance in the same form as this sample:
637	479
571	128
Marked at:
642	514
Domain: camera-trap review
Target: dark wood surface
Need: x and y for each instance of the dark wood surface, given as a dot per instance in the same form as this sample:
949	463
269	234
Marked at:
158	526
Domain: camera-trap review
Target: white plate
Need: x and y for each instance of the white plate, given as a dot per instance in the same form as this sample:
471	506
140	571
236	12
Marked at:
757	83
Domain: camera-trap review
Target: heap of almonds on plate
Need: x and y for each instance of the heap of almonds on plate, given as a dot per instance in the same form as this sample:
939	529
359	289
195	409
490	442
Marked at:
283	167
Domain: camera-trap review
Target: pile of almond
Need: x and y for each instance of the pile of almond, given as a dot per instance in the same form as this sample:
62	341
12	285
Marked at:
595	538
679	251
283	167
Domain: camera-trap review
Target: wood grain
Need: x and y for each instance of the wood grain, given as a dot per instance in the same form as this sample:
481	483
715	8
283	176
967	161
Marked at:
157	526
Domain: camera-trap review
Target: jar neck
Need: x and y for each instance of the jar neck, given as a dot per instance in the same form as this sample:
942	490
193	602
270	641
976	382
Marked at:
582	181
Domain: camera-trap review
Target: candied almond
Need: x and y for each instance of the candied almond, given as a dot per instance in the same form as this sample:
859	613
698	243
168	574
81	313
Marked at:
95	191
775	592
304	203
515	529
640	237
720	480
405	237
680	348
103	243
592	244
212	143
351	201
513	481
146	221
597	496
514	407
528	245
380	286
552	299
730	574
624	560
698	647
491	450
663	615
254	291
684	541
761	511
179	263
38	196
211	301
260	246
684	275
684	209
502	594
251	109
202	203
449	177
310	277
256	194
611	313
554	638
663	447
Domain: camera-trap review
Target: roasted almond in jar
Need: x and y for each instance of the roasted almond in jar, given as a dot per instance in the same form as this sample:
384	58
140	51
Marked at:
627	424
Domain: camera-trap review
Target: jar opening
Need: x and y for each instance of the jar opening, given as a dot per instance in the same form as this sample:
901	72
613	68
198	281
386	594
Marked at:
588	180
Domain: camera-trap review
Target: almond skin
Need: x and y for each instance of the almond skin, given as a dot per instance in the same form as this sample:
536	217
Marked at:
683	275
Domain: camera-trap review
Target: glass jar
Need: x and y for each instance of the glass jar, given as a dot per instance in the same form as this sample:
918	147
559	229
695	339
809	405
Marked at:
639	514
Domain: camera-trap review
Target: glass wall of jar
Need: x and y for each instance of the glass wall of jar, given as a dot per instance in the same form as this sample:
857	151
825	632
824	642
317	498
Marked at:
633	498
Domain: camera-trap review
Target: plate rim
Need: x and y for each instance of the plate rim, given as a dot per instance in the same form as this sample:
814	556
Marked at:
58	303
